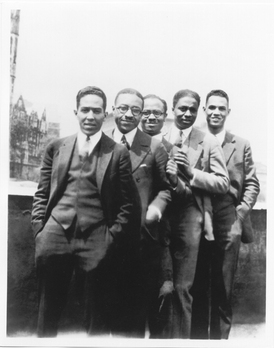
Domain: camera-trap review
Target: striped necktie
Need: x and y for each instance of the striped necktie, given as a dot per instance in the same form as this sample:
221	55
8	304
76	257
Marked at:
124	142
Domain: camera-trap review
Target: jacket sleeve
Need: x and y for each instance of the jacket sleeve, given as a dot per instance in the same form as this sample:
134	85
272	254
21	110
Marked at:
129	205
251	186
41	196
213	176
161	183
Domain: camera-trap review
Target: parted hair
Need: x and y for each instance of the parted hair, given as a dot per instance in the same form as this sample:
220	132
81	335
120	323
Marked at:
185	93
153	96
219	93
91	90
129	91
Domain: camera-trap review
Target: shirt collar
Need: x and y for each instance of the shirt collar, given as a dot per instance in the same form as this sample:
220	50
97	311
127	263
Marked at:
117	135
94	139
176	131
220	136
158	136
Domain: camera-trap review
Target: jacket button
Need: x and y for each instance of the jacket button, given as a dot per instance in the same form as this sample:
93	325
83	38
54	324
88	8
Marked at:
138	179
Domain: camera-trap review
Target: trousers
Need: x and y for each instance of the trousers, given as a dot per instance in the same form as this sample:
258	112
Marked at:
58	254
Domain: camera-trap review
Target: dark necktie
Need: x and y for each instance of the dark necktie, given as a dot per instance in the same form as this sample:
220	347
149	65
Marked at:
84	151
124	142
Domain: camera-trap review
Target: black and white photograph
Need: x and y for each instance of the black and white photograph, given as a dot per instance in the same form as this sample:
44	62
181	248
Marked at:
136	157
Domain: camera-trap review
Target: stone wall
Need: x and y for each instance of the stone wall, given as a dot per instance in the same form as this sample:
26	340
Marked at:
248	299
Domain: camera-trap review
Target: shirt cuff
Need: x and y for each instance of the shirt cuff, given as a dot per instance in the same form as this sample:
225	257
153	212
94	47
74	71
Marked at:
156	210
193	179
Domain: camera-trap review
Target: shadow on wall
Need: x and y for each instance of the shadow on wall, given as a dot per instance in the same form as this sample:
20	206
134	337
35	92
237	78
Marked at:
248	298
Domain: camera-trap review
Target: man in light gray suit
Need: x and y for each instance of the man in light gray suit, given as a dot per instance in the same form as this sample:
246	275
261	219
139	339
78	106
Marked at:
212	315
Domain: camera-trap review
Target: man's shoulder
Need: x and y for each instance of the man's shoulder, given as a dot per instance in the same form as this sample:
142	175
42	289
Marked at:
237	139
56	143
110	143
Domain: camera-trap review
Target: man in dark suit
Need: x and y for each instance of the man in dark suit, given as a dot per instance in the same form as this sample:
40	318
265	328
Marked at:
81	214
148	159
217	263
198	165
153	119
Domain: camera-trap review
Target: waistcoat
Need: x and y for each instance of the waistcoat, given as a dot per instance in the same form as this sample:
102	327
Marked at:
81	196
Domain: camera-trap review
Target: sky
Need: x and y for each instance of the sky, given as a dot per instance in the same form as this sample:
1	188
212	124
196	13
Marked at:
153	47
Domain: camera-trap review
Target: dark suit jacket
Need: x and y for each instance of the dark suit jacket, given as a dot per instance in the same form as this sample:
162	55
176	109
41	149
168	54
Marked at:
148	158
244	184
114	180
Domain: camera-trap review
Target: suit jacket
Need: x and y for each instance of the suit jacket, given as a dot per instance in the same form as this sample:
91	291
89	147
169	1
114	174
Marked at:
148	159
244	184
207	160
114	180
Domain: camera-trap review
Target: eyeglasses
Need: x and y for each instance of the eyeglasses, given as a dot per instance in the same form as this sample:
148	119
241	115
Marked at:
156	113
124	109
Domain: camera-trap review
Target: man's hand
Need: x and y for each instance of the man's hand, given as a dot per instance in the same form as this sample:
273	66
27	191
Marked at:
153	214
183	163
172	171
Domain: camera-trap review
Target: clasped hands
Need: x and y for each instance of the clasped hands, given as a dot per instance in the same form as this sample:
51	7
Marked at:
179	162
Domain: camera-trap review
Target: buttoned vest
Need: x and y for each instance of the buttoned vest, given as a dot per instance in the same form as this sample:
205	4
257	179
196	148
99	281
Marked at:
81	196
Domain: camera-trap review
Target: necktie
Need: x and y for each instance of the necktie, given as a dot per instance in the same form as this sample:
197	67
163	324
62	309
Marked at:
84	152
124	142
179	141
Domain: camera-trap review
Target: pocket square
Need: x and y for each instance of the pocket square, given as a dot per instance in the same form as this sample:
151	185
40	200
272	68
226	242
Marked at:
143	165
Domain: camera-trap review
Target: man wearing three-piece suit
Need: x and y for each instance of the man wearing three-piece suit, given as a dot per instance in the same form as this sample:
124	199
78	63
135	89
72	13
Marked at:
212	315
195	169
81	215
148	158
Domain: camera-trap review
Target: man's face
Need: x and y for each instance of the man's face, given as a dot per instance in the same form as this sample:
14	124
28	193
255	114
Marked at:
90	114
153	123
216	111
127	112
185	112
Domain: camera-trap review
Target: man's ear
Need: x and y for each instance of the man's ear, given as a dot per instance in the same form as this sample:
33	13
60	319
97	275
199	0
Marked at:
75	112
173	111
106	114
113	108
228	112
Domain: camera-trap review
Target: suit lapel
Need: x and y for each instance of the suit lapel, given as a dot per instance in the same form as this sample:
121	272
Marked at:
105	154
65	155
228	146
195	149
139	149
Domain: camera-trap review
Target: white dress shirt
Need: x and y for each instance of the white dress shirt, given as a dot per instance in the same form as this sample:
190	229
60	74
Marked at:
117	136
175	132
93	140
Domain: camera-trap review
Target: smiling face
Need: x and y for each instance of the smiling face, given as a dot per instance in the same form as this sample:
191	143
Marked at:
126	121
185	112
152	124
216	111
90	114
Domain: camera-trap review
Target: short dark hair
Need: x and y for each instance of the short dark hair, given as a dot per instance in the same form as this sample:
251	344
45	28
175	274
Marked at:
153	96
91	90
219	93
186	93
129	91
